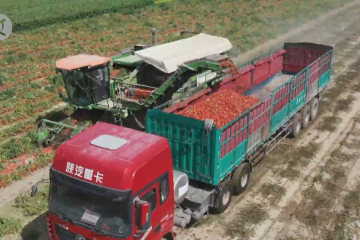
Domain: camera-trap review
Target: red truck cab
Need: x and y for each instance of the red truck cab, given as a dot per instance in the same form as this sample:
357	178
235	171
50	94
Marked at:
111	182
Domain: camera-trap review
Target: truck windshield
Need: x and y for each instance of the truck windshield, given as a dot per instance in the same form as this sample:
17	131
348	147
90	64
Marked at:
93	211
77	87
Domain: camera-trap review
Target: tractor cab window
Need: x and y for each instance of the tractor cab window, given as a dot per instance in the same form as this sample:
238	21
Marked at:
87	87
100	82
77	87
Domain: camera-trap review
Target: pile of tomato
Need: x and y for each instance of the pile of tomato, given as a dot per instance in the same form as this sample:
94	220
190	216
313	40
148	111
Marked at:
222	107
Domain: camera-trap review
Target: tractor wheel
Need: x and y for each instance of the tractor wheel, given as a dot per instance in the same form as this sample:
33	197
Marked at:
314	108
223	196
241	177
296	126
305	117
42	144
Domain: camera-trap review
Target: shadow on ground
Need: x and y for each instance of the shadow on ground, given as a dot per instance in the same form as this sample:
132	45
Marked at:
36	229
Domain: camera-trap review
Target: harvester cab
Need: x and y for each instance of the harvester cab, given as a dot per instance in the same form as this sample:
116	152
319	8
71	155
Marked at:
86	79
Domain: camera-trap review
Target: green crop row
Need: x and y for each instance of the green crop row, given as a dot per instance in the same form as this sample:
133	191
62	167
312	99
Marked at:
26	143
14	148
245	24
30	14
30	123
41	160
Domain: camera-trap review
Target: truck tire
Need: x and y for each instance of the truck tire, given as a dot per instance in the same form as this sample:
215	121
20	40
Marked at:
314	108
305	116
296	126
241	177
223	196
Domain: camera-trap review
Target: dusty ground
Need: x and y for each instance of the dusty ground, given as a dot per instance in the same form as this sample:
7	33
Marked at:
305	189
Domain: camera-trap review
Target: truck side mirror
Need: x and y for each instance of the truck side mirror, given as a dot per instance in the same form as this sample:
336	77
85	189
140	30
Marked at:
145	216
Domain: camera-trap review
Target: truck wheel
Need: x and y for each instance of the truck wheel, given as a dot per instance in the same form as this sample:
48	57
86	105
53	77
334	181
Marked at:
305	117
223	196
240	178
314	107
296	126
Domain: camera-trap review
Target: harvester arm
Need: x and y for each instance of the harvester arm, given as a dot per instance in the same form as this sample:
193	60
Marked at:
48	130
133	74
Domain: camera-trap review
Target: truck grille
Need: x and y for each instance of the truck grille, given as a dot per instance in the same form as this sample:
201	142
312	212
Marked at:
65	235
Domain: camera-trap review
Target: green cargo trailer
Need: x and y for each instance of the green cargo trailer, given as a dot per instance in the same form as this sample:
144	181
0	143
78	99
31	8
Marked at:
218	162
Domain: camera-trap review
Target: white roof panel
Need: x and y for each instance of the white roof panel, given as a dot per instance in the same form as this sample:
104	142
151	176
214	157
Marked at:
109	142
169	56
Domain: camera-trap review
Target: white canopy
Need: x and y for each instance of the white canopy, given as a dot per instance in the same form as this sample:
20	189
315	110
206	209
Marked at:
169	56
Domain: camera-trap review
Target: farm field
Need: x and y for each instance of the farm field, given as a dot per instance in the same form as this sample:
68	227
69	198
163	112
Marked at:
305	189
27	15
27	58
27	68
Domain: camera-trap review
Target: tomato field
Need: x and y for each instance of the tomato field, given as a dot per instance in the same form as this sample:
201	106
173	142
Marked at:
44	33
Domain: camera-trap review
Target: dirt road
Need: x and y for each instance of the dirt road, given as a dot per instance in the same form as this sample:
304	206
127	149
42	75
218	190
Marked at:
304	189
299	191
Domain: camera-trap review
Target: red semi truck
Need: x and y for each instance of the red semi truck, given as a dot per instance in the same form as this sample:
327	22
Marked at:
111	182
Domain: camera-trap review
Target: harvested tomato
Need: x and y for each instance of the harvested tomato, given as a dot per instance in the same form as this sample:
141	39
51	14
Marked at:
115	73
223	107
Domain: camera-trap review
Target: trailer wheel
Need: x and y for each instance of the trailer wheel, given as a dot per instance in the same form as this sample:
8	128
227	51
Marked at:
296	126
305	116
314	107
240	178
223	196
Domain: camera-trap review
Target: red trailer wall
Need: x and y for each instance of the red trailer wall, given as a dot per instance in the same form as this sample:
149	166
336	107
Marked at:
240	129
268	66
259	115
318	69
237	132
281	98
298	85
239	83
300	55
277	62
253	74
